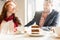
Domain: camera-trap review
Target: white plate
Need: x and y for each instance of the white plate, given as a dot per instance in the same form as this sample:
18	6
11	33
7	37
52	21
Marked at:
36	35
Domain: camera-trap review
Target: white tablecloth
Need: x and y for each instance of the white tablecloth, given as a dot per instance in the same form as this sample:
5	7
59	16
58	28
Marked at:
47	36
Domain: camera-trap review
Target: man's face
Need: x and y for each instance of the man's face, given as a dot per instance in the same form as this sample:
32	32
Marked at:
47	6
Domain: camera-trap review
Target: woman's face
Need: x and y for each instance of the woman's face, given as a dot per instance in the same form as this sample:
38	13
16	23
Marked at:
11	8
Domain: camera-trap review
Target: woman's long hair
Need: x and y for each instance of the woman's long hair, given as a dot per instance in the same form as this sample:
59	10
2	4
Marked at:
4	14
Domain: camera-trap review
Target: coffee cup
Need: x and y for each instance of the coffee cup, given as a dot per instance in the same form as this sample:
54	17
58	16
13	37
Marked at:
56	30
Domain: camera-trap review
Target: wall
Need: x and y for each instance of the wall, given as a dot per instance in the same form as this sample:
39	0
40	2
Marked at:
20	10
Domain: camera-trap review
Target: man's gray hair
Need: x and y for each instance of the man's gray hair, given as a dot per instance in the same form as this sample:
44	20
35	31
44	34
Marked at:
49	1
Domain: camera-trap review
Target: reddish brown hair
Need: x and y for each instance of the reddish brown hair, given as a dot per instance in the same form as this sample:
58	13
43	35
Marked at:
4	14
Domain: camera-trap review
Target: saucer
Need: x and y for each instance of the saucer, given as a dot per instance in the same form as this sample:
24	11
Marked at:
56	36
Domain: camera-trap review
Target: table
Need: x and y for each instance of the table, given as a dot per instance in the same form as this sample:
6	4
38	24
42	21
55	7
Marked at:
47	36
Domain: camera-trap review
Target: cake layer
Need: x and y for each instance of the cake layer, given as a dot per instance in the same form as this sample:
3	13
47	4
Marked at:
34	30
35	26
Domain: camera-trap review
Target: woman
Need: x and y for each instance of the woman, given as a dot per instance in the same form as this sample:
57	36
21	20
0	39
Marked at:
8	20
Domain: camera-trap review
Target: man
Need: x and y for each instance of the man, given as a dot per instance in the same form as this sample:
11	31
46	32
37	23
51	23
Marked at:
47	17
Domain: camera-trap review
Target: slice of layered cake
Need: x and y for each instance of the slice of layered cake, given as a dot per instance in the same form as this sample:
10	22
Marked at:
35	29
